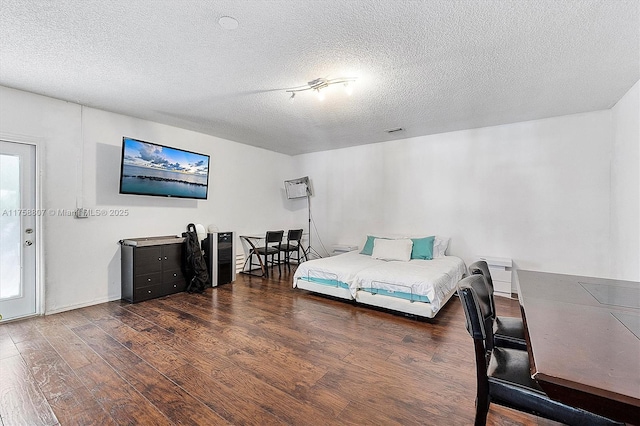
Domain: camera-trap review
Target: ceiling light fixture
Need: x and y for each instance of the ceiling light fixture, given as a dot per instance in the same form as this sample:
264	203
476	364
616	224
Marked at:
228	23
320	83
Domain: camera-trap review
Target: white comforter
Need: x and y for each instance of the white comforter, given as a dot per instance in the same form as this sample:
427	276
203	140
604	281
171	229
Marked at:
431	278
343	267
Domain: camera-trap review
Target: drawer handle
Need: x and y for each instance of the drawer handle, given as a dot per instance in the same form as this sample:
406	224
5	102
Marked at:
160	259
149	279
175	286
175	275
149	291
165	258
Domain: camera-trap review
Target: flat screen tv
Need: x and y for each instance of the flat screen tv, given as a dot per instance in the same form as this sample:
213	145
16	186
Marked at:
151	169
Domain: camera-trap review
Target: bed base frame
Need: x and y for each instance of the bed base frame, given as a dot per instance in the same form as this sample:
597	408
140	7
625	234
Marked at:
412	307
328	289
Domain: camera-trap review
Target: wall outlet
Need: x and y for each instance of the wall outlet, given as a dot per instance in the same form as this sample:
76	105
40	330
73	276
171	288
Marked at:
81	213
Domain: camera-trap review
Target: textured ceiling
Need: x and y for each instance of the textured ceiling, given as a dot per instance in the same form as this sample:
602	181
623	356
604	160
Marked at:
426	66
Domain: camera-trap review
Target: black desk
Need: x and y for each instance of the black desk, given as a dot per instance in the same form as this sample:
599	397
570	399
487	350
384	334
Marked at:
583	336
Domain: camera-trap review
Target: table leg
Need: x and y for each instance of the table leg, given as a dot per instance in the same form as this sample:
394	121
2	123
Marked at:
252	250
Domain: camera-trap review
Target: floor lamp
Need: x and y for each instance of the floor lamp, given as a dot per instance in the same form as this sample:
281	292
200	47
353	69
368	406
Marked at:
300	188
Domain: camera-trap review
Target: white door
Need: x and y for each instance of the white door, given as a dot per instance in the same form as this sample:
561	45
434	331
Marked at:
17	230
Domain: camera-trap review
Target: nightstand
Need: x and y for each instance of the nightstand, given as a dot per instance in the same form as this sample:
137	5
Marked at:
500	269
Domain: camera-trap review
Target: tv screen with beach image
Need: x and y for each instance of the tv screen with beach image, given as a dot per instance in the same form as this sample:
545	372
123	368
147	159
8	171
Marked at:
152	169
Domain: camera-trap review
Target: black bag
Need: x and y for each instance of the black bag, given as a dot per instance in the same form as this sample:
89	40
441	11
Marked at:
195	266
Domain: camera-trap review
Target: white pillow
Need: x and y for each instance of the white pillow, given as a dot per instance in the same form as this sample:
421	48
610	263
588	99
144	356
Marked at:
392	249
440	245
381	235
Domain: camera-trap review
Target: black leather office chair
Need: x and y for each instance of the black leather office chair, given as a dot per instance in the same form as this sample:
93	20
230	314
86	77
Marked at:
503	375
271	248
292	246
508	332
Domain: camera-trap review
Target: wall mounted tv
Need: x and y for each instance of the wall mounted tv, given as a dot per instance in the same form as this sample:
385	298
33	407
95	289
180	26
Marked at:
151	169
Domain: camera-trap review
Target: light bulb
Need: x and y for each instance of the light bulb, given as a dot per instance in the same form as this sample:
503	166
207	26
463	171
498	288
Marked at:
348	88
320	95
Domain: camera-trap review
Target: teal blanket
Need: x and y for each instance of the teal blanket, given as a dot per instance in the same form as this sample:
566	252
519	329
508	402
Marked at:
326	281
397	294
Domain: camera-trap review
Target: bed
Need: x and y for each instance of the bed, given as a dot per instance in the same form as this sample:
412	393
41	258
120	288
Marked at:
414	286
332	276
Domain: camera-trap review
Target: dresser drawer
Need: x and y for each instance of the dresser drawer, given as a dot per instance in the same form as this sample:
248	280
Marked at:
174	287
147	280
500	274
146	293
173	275
147	260
503	287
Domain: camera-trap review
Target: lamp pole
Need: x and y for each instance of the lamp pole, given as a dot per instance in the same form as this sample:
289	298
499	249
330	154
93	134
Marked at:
306	255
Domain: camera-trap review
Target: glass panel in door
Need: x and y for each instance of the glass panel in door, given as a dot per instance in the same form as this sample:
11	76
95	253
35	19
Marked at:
17	230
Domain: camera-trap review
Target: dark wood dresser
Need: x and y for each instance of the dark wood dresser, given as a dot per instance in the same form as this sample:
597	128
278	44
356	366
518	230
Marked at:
151	267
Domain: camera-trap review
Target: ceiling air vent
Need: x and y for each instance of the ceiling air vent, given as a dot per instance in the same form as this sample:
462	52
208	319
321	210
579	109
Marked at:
394	130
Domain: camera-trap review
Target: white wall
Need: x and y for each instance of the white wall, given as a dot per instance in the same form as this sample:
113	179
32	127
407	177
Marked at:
558	195
625	187
536	191
82	257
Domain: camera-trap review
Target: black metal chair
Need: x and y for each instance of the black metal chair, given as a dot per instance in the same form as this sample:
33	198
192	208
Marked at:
503	375
272	245
508	332
292	246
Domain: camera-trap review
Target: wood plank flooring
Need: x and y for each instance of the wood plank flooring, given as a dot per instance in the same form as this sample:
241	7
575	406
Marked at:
255	352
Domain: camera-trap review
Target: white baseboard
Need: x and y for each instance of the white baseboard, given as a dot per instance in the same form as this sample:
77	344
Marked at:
82	305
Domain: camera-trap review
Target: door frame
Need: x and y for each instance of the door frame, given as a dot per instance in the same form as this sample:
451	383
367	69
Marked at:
38	144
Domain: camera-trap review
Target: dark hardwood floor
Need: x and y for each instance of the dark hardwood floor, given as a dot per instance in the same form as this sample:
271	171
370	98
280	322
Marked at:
254	352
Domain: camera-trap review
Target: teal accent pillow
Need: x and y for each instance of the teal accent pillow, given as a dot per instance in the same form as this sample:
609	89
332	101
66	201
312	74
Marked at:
422	248
368	246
